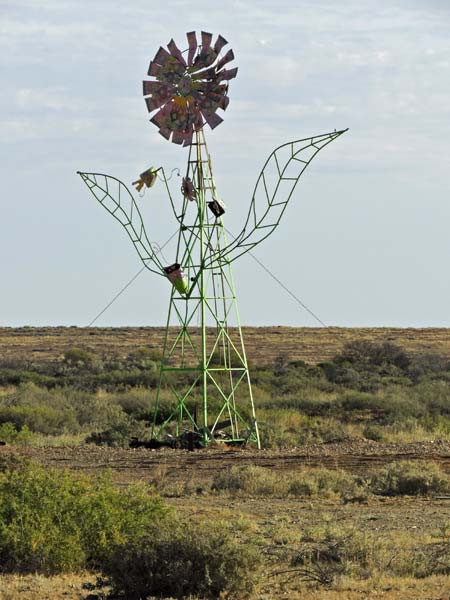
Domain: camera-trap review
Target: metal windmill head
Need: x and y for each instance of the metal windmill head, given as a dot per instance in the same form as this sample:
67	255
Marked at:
187	88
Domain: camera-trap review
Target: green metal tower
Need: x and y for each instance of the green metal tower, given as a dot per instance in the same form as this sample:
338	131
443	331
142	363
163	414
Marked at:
216	396
204	392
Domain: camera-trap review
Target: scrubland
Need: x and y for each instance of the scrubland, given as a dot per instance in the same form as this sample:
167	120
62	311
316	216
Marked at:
350	497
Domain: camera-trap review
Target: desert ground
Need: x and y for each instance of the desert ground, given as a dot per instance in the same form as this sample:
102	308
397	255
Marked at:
394	546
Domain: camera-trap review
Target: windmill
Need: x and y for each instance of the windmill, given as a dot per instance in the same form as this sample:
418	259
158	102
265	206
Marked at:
204	390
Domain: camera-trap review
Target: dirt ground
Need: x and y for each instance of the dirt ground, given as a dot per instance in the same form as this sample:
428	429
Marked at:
129	465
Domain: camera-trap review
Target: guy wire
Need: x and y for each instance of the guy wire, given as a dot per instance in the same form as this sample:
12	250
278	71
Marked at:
127	285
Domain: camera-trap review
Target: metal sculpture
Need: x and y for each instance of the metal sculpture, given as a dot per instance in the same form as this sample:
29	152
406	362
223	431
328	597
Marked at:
204	390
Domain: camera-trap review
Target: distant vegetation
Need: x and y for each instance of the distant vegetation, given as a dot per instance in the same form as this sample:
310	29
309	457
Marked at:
370	390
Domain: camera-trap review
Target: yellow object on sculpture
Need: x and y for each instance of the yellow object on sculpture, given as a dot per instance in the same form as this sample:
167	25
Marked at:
146	178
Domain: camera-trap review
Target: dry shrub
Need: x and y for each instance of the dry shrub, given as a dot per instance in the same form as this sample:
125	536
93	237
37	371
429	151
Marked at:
287	427
254	481
337	551
320	482
411	479
182	561
328	552
420	561
259	481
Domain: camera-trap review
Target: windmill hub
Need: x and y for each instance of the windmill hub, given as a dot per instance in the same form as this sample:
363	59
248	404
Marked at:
185	86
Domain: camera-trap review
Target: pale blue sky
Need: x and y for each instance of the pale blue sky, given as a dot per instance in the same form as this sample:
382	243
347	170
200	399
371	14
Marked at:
366	235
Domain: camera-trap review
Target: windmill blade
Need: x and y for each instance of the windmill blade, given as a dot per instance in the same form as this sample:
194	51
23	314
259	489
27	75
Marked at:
273	190
117	199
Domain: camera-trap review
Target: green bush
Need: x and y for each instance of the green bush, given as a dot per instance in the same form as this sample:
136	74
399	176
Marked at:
184	560
79	360
42	411
373	354
64	410
423	365
439	425
119	434
10	461
309	401
273	435
136	403
411	479
41	419
393	404
145	358
10	435
434	396
373	432
51	521
368	366
20	377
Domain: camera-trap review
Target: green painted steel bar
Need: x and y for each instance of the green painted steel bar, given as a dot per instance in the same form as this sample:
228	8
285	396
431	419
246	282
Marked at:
201	211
